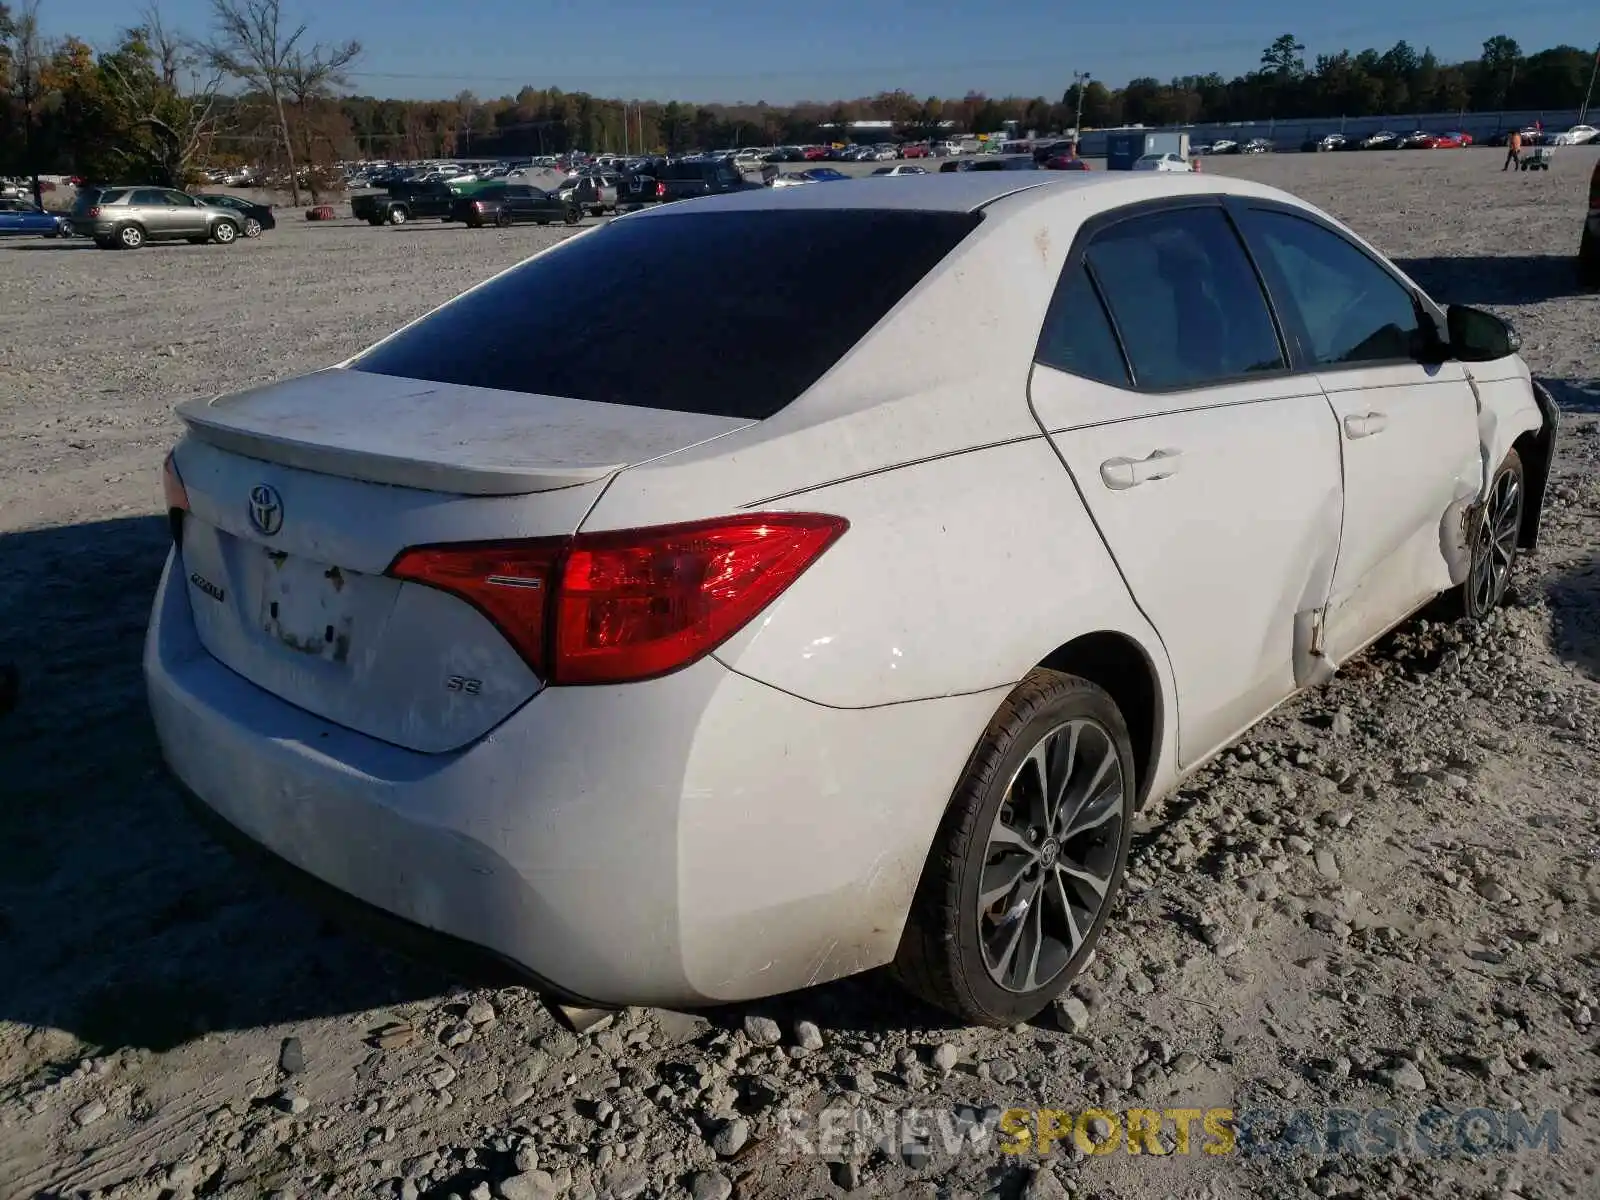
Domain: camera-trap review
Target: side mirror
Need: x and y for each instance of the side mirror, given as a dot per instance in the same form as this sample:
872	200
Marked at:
1478	336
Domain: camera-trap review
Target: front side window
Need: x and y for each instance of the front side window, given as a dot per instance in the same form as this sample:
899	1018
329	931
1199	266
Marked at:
1185	299
1351	310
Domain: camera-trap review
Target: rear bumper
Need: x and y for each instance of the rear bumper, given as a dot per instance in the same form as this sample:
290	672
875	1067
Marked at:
694	839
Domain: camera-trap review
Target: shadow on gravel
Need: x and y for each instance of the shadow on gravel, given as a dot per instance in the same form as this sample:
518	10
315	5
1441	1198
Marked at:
51	244
1575	616
120	921
1494	279
1575	395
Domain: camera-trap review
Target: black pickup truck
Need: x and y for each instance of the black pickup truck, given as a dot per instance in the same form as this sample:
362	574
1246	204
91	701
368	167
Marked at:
665	182
404	202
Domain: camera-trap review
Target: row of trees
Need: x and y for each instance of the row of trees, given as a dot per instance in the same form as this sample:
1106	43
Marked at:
153	104
1368	83
253	90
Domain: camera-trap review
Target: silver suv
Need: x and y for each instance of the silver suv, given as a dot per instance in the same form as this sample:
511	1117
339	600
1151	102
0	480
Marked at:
124	218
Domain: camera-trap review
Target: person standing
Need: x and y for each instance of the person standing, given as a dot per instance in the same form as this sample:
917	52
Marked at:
1513	151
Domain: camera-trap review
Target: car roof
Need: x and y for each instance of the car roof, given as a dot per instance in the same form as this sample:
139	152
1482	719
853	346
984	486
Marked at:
967	191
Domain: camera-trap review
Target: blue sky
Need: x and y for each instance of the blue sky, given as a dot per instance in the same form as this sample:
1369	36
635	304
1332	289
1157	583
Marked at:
746	50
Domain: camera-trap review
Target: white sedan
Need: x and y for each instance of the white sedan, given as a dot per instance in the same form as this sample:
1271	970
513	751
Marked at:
1169	162
1578	135
732	646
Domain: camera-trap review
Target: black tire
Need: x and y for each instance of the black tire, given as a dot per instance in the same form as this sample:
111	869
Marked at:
542	221
224	233
63	228
1494	531
574	215
128	236
502	219
942	955
398	215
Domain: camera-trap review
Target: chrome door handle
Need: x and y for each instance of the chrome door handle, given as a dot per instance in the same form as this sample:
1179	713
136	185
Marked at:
1119	474
1366	424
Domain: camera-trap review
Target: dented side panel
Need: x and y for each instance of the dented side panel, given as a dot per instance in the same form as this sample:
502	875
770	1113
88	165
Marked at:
1509	409
1413	469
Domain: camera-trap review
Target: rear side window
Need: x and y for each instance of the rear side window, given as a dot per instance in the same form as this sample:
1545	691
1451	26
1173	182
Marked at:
730	314
1185	299
1351	310
1077	332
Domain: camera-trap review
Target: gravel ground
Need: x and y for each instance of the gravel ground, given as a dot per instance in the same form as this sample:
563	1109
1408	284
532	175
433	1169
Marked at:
1386	897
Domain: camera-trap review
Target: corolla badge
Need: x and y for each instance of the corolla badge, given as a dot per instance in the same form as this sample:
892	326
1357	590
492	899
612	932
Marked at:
266	509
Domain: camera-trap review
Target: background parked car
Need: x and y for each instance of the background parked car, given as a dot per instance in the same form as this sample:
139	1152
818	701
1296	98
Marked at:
256	216
594	193
507	203
901	169
403	202
126	218
1578	135
1383	140
1168	163
1066	162
23	218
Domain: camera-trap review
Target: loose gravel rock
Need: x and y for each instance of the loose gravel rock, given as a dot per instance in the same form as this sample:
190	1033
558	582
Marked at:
152	988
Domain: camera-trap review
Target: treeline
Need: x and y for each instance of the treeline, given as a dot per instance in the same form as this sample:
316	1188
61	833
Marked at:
157	103
1368	83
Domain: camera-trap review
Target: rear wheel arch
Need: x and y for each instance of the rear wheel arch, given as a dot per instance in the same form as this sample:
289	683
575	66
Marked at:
1122	668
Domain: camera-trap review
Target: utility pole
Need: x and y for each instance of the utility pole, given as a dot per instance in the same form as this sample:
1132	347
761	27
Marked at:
1588	94
1080	80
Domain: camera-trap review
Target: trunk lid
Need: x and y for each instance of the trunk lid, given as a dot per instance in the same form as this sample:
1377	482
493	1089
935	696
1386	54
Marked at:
439	436
302	493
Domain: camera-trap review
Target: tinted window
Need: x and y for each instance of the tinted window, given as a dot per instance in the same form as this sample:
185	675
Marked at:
181	199
1185	299
147	196
1350	308
1077	333
667	312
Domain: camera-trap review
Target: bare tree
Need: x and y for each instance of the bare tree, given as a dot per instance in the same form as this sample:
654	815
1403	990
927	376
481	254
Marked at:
252	46
162	98
27	54
309	78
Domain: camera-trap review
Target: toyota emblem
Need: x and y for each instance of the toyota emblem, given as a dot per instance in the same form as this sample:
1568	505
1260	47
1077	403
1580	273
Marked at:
266	509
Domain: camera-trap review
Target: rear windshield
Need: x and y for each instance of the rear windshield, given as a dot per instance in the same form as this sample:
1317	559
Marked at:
89	197
730	314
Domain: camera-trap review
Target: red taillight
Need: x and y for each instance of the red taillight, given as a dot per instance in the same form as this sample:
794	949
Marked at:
94	212
477	206
661	189
628	605
508	582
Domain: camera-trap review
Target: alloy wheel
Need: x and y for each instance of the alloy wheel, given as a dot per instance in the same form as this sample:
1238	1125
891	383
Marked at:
1052	854
1495	544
